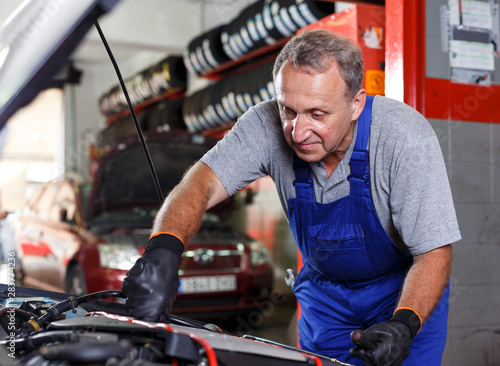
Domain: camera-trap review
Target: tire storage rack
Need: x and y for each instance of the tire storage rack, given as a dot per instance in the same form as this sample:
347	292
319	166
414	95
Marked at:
237	58
157	96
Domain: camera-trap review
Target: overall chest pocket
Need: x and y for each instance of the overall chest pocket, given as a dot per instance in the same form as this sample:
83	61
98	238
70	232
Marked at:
339	252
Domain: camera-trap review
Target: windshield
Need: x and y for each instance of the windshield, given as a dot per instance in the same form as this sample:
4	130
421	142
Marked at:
123	220
133	227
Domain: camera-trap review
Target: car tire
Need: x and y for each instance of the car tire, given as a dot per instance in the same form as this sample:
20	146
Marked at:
75	281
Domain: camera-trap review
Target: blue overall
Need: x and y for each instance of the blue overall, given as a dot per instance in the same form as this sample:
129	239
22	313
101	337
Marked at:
352	272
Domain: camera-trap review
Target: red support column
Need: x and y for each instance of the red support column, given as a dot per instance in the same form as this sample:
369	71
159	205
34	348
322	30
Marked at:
405	51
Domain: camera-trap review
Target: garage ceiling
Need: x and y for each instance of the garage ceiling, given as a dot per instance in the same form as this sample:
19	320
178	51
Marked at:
155	26
147	30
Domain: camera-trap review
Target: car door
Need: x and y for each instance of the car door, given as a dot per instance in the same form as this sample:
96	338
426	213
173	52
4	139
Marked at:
33	249
59	235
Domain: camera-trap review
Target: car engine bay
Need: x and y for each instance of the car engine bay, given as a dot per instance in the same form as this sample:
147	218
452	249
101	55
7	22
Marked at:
42	328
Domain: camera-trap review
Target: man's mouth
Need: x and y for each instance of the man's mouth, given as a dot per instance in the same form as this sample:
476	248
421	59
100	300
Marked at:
306	147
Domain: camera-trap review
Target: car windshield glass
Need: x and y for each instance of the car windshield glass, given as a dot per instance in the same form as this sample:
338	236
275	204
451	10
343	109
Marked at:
123	220
135	224
212	228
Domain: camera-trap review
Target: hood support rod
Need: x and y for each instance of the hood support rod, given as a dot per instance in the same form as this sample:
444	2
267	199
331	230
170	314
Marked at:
132	112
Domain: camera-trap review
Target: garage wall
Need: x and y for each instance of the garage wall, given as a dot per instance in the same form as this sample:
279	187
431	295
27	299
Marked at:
472	155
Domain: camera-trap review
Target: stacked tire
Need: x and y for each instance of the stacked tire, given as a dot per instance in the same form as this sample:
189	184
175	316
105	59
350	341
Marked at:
163	117
263	23
222	103
205	52
107	137
167	75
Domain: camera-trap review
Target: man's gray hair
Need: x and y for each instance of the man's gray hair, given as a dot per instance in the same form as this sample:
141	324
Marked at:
316	49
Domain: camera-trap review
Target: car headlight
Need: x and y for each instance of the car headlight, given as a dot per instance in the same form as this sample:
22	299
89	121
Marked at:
118	256
258	253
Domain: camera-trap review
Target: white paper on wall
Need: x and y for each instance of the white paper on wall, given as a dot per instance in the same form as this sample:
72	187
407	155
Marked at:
474	13
471	55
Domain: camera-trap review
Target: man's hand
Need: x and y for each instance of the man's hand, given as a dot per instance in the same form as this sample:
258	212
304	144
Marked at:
388	344
151	284
391	341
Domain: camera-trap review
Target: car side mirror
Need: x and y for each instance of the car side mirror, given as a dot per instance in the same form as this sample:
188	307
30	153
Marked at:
249	195
63	215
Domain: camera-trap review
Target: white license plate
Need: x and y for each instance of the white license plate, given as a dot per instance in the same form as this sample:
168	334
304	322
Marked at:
194	285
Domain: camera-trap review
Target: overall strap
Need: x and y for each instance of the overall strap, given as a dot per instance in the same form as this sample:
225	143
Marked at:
360	176
359	161
303	179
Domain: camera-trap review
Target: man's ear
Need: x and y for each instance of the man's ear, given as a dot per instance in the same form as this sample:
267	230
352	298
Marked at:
357	104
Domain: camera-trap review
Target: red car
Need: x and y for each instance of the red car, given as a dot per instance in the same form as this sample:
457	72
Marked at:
83	238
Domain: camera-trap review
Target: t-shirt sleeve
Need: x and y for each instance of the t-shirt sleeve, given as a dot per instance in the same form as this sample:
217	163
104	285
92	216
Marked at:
421	201
242	156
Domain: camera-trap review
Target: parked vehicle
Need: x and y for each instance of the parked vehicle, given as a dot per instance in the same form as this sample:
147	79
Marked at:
83	238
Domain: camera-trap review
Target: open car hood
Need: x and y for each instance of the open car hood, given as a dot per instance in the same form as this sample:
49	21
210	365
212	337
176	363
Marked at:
35	42
123	179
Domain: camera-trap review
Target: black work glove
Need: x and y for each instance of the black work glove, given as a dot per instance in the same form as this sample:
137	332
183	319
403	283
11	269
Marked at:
388	343
151	284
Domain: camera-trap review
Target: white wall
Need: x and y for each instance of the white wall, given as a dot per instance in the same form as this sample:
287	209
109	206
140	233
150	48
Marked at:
32	151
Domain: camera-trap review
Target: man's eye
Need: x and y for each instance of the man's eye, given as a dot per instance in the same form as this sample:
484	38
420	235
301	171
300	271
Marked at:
289	113
317	115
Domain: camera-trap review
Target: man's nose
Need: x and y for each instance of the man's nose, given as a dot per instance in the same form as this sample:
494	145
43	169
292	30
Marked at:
301	130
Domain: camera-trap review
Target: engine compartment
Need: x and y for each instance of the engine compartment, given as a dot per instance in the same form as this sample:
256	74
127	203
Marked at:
41	328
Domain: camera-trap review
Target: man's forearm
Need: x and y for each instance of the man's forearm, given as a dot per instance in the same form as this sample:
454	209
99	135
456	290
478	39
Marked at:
182	211
426	281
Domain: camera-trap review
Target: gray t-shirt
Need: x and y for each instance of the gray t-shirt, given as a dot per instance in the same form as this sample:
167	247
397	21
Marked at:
409	183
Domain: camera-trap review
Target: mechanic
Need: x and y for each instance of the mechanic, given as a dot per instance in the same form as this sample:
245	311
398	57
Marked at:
375	233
